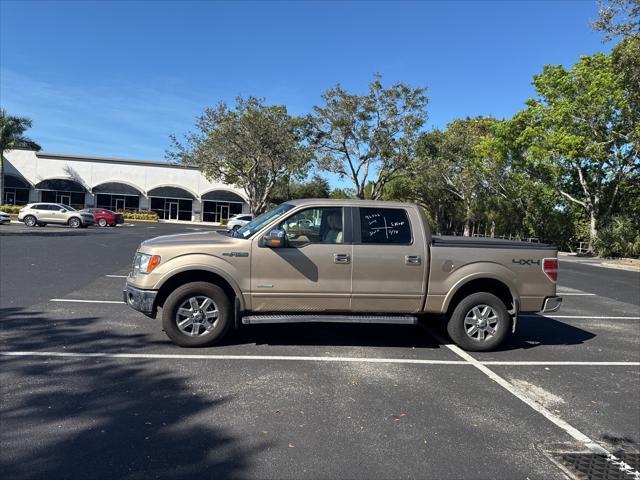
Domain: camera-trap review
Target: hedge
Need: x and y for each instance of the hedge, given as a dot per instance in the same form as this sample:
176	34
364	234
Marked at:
139	214
10	208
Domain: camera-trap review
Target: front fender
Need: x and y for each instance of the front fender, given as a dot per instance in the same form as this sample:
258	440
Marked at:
209	263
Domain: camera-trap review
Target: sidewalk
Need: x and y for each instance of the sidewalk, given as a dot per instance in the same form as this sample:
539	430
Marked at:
631	264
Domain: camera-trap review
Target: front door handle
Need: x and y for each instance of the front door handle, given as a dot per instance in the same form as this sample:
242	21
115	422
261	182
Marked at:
412	260
341	258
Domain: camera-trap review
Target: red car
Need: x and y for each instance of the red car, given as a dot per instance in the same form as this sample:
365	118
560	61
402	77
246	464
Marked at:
105	217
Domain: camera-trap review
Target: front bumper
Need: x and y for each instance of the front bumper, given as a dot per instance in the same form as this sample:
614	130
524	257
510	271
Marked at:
140	300
551	304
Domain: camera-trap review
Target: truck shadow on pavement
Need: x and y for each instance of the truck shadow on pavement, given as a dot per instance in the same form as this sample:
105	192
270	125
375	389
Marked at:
333	334
105	418
537	330
531	332
534	331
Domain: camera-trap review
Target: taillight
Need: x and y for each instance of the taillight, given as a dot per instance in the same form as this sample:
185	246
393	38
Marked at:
550	268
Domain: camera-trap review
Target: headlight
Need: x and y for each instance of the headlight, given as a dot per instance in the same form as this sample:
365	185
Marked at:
143	263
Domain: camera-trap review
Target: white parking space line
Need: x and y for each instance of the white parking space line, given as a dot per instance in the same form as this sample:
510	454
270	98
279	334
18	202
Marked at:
116	276
72	300
572	294
556	420
299	358
568	292
561	363
164	356
582	316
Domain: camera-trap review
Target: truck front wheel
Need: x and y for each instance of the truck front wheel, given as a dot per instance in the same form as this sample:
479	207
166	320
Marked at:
197	314
480	322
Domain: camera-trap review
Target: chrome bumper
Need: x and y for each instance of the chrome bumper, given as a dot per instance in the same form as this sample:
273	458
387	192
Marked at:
551	304
140	300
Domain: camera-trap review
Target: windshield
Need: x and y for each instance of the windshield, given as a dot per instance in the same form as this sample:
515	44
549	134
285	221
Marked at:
259	222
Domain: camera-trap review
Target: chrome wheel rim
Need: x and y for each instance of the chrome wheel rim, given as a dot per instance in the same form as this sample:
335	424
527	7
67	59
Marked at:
481	323
30	221
197	316
74	223
102	222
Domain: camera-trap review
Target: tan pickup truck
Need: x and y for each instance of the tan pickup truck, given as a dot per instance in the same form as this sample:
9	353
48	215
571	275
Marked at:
340	261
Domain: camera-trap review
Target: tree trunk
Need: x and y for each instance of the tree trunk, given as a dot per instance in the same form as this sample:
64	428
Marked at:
467	219
493	229
593	229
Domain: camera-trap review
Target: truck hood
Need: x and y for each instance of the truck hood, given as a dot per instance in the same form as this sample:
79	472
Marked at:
204	239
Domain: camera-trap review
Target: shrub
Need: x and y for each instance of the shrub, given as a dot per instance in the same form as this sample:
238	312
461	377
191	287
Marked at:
10	208
224	221
620	238
139	214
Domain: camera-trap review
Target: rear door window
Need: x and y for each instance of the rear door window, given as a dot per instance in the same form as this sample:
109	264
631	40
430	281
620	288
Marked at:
385	225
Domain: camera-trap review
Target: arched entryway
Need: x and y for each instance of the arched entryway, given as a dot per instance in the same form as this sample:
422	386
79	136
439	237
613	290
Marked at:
60	190
219	205
117	196
16	191
171	203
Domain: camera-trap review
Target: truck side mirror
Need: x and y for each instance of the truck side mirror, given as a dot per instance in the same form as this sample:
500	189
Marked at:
276	238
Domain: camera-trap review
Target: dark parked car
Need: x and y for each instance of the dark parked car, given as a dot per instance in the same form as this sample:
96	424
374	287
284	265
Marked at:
105	217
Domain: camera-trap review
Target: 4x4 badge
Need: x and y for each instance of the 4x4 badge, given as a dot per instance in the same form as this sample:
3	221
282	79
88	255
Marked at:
525	261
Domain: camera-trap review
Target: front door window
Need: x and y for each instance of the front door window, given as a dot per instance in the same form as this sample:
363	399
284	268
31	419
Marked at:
223	212
173	210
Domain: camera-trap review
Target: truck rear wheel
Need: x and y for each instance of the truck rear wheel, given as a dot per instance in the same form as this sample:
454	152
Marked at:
480	322
197	314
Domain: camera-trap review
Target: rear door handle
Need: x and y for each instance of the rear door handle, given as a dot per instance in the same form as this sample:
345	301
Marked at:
412	260
341	258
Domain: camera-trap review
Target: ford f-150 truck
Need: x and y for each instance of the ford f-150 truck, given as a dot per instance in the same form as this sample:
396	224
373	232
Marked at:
323	260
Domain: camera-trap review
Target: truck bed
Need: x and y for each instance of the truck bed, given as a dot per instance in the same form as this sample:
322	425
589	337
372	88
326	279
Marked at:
483	242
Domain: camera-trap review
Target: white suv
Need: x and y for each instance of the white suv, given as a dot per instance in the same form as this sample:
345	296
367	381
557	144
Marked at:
238	221
42	213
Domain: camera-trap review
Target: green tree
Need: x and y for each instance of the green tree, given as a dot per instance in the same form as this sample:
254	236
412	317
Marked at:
252	146
342	193
618	17
368	138
447	174
286	189
580	134
12	136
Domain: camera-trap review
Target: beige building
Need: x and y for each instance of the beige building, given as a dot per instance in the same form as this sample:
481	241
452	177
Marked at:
175	192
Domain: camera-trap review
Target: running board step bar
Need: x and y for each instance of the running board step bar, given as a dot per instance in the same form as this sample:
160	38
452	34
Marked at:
301	318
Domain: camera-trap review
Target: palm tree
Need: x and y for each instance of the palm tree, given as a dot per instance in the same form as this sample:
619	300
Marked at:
12	136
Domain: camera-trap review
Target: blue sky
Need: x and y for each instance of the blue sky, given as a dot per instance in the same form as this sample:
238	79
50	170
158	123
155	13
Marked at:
116	78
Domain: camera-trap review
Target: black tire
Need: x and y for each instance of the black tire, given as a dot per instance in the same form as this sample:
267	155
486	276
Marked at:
75	222
30	221
180	296
102	222
471	341
236	228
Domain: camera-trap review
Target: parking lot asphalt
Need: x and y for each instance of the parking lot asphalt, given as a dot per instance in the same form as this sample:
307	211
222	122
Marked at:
94	389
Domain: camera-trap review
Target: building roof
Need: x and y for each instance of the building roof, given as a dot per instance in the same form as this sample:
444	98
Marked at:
348	202
85	158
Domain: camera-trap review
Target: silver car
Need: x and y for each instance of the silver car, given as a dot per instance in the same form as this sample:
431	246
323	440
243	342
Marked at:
5	218
42	213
